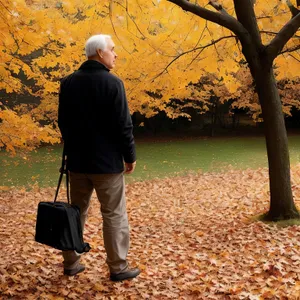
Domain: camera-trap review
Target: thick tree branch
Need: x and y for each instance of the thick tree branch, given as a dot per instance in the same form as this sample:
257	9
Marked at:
248	36
294	11
282	37
220	18
244	10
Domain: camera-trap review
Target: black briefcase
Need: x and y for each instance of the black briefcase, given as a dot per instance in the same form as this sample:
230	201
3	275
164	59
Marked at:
58	223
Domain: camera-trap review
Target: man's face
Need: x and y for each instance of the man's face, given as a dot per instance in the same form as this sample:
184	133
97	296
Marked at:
108	56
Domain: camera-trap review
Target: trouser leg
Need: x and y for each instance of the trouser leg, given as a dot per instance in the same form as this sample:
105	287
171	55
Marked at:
81	189
110	189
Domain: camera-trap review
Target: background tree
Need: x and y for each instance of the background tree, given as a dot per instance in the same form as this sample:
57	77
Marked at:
43	41
246	97
207	96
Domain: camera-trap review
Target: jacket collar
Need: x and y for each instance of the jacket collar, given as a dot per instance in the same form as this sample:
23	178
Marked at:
92	65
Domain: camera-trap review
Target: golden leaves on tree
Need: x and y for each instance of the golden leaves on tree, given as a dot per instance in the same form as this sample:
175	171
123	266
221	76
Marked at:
161	48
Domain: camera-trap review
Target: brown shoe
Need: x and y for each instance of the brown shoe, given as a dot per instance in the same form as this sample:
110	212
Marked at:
129	274
80	268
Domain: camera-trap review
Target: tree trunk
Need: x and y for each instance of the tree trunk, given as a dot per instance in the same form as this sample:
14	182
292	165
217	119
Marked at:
282	205
212	120
259	57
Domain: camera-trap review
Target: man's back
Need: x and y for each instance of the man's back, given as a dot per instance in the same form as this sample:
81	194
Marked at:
95	120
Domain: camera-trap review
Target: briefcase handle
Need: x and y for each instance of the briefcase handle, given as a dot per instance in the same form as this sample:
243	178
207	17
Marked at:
63	170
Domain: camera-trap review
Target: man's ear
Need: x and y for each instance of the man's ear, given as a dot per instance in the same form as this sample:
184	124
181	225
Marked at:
100	53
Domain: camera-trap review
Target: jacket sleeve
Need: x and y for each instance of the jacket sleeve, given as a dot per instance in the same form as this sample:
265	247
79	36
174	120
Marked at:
124	122
62	112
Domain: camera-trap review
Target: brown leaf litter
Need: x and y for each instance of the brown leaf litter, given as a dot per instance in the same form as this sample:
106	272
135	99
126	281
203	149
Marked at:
192	237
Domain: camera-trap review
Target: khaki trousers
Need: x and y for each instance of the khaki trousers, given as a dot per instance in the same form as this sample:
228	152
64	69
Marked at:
110	190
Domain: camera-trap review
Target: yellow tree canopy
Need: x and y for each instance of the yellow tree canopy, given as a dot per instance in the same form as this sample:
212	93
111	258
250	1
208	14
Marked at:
161	48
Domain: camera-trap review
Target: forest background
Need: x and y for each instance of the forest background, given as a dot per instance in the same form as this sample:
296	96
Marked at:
180	71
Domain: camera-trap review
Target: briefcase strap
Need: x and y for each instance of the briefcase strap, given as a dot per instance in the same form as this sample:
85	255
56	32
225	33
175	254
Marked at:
63	170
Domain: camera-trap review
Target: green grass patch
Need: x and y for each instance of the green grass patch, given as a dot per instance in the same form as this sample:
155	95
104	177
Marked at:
155	159
279	224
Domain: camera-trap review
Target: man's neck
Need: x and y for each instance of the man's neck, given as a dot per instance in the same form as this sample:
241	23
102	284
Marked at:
95	57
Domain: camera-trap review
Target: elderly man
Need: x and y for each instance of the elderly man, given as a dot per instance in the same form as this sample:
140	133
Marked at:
96	127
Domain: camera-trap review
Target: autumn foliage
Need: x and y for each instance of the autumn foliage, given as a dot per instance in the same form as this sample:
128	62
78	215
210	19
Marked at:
193	238
44	40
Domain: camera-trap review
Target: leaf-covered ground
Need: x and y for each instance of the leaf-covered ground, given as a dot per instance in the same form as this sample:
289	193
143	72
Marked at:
193	238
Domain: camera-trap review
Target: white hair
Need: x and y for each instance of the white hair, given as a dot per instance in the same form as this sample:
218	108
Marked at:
96	42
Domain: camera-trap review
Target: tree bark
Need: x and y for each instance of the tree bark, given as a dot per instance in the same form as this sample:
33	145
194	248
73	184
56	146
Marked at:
282	204
221	18
246	16
282	37
213	118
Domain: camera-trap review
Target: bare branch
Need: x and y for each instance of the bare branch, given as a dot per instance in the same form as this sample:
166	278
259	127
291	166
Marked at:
289	50
196	57
200	38
183	40
297	59
274	33
222	19
112	24
282	37
192	50
264	17
201	35
5	7
217	6
132	19
216	49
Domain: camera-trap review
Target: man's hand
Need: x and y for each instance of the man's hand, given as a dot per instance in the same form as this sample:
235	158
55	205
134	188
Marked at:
129	167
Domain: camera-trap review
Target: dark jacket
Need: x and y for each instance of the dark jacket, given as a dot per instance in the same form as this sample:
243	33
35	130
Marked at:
94	121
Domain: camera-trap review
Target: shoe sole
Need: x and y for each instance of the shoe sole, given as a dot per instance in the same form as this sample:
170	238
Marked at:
124	277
